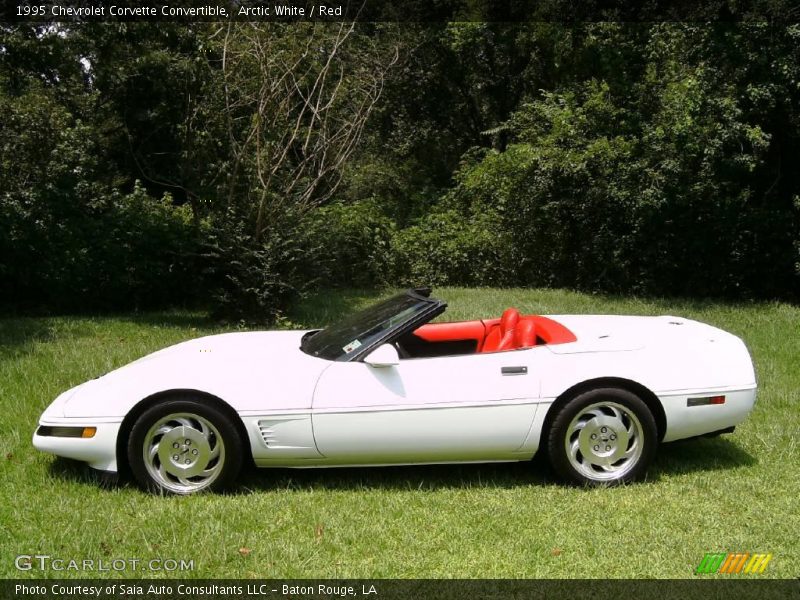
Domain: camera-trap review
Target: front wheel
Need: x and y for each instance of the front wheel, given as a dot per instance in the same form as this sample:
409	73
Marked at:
603	436
184	446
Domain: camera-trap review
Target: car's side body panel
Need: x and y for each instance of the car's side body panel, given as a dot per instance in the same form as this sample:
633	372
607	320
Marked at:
284	437
675	358
418	435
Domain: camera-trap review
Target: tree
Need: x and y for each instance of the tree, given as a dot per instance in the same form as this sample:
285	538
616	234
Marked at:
297	98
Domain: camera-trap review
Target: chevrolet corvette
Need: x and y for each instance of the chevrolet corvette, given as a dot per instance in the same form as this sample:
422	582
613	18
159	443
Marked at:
389	385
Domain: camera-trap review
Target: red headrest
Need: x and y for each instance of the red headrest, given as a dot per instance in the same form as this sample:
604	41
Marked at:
509	319
525	334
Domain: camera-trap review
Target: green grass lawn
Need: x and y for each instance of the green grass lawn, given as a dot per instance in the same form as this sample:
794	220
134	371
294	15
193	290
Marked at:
732	493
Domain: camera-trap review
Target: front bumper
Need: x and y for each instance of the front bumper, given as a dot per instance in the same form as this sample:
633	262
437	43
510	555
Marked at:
100	451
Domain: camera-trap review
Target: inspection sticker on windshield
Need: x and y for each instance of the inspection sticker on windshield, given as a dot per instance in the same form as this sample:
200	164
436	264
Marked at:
354	345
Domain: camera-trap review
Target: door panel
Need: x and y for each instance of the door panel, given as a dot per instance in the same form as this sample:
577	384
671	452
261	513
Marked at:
423	435
427	409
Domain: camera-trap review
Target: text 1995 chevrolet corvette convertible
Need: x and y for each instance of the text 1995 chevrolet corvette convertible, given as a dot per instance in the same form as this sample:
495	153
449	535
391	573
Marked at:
384	386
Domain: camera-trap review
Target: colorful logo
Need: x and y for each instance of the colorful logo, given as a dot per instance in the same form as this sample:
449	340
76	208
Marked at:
733	562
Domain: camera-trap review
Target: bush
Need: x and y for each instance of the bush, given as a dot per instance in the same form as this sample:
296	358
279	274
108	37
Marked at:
565	213
449	248
347	245
144	253
123	251
69	239
252	280
670	202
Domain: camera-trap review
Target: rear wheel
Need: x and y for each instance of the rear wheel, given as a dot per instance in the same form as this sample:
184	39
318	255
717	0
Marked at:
602	436
184	446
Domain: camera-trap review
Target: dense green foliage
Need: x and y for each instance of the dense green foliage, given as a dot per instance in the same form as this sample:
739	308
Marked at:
347	244
668	182
148	165
77	230
450	246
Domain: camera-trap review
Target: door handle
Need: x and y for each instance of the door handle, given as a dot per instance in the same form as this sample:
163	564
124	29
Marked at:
514	370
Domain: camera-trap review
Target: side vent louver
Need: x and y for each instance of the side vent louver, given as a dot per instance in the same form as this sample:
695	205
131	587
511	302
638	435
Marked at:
267	433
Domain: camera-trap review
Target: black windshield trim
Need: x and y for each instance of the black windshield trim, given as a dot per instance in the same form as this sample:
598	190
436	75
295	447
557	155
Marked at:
435	308
426	308
306	336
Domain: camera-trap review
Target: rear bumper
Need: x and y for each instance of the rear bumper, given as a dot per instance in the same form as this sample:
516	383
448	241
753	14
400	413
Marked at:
685	421
100	451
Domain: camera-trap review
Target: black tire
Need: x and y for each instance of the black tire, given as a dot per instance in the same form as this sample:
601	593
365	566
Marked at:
206	443
616	430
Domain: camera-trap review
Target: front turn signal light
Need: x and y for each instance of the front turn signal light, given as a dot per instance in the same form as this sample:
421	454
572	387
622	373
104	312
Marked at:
66	431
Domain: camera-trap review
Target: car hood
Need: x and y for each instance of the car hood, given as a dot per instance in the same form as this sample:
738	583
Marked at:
227	346
252	371
614	333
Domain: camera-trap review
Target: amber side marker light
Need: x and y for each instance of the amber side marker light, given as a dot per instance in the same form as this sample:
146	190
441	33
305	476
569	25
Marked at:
705	401
71	432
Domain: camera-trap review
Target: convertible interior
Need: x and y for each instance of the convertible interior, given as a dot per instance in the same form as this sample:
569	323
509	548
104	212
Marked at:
511	331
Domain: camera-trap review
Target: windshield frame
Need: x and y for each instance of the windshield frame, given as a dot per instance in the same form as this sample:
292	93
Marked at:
431	308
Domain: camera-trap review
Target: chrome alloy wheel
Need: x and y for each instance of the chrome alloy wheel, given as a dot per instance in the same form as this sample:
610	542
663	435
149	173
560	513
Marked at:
604	441
183	452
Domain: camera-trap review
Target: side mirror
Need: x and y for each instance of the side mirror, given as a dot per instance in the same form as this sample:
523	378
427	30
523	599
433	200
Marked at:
384	355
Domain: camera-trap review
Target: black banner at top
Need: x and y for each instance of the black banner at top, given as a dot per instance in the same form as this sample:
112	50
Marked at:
431	11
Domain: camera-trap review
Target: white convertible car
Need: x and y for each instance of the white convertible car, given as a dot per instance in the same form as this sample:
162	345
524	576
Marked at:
384	386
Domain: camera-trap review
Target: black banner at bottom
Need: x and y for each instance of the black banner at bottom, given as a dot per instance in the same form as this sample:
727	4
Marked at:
383	589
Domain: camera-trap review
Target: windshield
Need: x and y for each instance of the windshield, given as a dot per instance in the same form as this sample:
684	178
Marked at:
343	339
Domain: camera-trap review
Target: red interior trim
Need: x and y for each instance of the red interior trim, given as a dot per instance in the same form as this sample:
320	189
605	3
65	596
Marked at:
552	332
449	332
547	330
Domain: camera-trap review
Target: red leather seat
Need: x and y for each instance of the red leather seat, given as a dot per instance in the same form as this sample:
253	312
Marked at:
525	334
502	337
